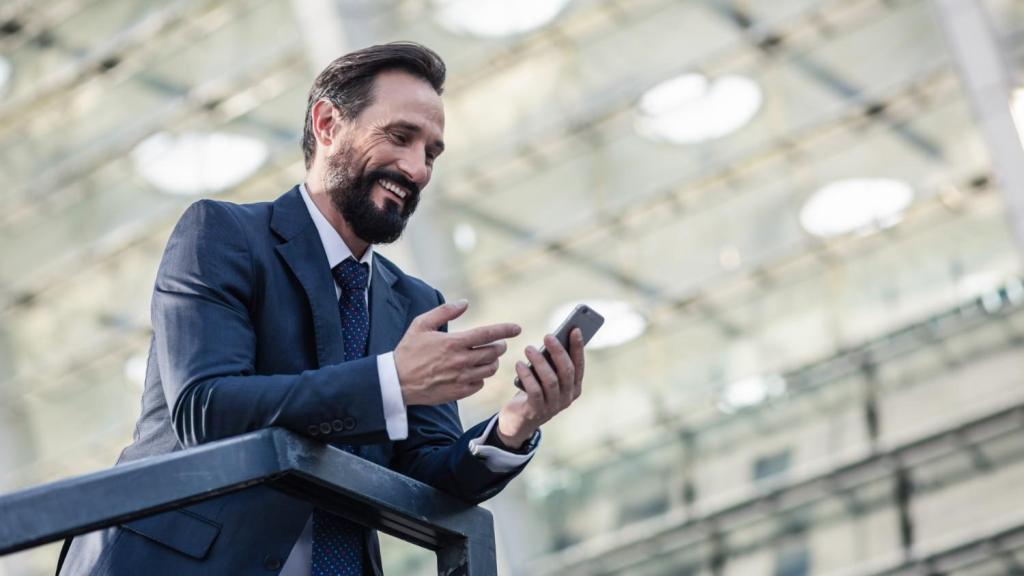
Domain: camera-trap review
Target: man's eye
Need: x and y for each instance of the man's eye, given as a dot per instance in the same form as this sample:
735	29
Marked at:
399	138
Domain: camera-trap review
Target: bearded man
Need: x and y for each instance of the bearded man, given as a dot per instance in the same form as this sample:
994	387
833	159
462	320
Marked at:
282	314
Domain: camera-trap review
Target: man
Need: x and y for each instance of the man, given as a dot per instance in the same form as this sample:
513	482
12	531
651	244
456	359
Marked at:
281	314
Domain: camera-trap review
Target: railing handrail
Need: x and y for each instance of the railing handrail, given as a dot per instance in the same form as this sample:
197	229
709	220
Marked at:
462	534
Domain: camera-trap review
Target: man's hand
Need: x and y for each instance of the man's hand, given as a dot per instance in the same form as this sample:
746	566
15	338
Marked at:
437	367
557	384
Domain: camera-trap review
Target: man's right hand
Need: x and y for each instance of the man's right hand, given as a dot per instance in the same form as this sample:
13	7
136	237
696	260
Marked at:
437	367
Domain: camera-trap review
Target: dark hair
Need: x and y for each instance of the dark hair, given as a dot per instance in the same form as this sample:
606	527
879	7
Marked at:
348	81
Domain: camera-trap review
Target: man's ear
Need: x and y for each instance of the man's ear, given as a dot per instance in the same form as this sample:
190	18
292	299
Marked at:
325	120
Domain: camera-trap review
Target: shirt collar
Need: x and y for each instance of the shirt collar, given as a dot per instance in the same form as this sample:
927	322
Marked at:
334	246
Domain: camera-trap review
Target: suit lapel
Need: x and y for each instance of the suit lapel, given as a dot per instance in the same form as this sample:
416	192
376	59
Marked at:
304	254
388	310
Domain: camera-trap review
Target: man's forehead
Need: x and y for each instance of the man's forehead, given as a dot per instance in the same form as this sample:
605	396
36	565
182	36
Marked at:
397	89
401	85
401	99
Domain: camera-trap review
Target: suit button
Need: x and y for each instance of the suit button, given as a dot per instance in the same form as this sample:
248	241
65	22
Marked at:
325	427
338	425
272	563
313	430
350	423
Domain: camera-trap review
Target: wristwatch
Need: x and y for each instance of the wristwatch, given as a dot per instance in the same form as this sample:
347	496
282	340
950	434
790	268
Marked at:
494	440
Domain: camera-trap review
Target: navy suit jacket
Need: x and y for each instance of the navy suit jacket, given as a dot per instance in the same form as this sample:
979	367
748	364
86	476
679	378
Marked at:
247	335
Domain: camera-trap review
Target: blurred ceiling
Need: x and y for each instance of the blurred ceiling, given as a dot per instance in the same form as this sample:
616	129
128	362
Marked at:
551	192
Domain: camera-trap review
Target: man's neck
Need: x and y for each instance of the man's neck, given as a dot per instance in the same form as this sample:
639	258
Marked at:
323	203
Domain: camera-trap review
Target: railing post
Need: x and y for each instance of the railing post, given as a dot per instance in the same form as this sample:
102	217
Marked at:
472	556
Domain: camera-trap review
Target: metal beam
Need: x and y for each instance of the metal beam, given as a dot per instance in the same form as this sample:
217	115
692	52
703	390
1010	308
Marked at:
98	60
68	173
974	549
988	80
828	77
677	530
323	31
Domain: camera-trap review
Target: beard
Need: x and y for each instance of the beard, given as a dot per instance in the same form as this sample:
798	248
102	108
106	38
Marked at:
351	193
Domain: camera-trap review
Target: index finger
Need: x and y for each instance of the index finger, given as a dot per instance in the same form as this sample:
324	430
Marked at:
487	334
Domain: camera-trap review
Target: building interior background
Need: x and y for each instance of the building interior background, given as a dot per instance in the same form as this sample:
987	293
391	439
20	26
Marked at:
802	219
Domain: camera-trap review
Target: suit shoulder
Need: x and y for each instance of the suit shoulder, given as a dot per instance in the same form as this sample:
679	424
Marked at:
223	215
410	284
255	210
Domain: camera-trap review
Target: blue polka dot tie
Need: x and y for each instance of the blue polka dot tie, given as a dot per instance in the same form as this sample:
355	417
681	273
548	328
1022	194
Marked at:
338	543
353	278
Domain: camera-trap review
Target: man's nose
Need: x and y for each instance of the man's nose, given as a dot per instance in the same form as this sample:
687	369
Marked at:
415	169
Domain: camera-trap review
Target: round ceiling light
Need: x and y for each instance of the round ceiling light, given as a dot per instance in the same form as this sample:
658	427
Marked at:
5	74
751	392
691	108
622	322
496	18
464	236
135	369
195	163
855	205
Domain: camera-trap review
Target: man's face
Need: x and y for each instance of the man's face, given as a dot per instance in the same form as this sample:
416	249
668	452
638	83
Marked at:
384	157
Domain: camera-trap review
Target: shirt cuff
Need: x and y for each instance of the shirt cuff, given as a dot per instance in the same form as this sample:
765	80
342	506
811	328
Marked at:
391	393
498	460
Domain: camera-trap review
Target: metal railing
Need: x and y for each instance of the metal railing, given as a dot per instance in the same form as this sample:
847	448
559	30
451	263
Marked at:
462	535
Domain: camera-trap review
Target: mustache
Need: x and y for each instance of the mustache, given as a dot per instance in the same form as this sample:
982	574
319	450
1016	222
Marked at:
396	177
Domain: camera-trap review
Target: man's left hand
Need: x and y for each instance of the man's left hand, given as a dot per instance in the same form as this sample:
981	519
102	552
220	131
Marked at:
548	388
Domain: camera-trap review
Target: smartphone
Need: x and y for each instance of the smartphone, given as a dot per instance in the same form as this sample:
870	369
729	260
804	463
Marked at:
583	317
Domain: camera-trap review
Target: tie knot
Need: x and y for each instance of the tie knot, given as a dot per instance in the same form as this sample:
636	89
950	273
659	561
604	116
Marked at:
351	275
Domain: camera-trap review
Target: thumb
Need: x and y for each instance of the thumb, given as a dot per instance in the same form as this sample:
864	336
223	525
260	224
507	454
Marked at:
441	315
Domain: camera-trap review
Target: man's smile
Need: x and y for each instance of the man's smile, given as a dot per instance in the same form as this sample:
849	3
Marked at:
395	189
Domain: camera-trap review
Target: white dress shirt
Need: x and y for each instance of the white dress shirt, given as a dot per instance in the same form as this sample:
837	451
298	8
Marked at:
494	458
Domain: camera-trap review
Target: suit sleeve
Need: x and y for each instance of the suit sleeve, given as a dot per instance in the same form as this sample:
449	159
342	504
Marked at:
437	452
206	345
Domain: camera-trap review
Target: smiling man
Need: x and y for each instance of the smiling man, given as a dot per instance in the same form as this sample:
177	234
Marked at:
281	314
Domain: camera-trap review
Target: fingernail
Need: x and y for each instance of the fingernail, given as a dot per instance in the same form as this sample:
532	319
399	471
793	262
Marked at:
460	303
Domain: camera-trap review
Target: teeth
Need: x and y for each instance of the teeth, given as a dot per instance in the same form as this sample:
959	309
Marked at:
389	185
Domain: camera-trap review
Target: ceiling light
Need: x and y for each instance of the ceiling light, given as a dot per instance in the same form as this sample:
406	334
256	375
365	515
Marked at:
992	301
543	481
622	322
195	163
692	108
855	205
751	392
5	74
1014	291
978	284
464	236
729	258
135	369
1017	109
495	18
